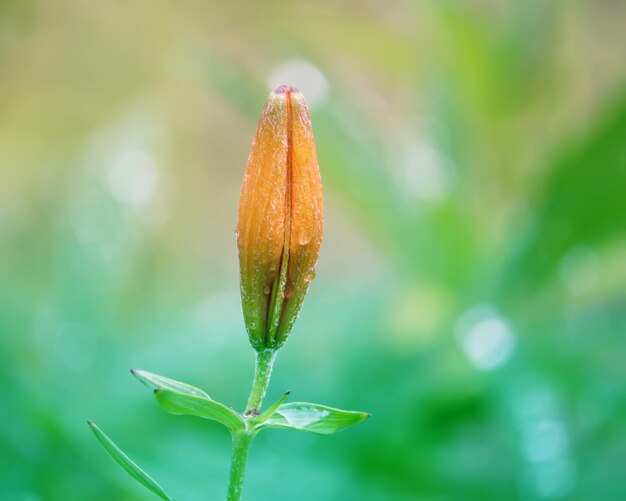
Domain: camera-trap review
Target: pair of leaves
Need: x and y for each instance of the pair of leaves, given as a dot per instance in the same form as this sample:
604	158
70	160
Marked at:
314	418
303	416
180	398
176	398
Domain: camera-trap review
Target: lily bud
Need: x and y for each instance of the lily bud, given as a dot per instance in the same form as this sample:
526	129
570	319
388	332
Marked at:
279	232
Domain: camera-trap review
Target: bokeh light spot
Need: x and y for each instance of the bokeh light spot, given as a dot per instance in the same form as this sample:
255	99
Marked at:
426	177
486	337
303	75
133	178
545	440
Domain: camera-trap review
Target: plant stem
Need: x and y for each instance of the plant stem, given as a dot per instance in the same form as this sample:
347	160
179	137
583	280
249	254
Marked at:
241	444
242	440
262	373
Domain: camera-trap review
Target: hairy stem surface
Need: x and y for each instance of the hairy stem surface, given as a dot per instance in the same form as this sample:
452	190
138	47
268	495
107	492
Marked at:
241	444
242	440
262	374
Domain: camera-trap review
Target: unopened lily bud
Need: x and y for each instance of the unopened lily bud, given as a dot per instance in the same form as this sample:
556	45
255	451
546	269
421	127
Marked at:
279	231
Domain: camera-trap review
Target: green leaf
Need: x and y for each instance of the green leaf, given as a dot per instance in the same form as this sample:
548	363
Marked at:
271	409
128	464
156	382
313	418
181	398
179	403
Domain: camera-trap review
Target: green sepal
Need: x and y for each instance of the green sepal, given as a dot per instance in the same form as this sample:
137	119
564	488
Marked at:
156	382
314	418
192	405
128	464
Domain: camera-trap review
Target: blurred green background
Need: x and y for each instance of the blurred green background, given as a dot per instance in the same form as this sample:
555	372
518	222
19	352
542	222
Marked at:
471	291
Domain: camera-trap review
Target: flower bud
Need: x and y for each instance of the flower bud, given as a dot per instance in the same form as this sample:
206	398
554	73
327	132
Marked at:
279	231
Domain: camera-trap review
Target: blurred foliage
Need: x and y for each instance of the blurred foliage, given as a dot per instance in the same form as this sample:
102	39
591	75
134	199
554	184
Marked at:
471	292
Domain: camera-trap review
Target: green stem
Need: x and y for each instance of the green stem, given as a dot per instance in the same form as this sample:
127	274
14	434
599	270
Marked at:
262	374
242	440
241	444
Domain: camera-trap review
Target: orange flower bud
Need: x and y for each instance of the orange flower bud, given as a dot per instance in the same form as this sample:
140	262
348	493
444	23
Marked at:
279	231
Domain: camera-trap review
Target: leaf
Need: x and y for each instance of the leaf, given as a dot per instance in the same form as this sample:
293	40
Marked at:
128	464
271	409
156	382
179	403
181	398
313	418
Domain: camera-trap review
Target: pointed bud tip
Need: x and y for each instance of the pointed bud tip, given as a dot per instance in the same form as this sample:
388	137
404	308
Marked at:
284	89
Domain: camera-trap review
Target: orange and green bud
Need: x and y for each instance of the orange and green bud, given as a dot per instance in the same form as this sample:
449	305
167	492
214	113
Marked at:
279	231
